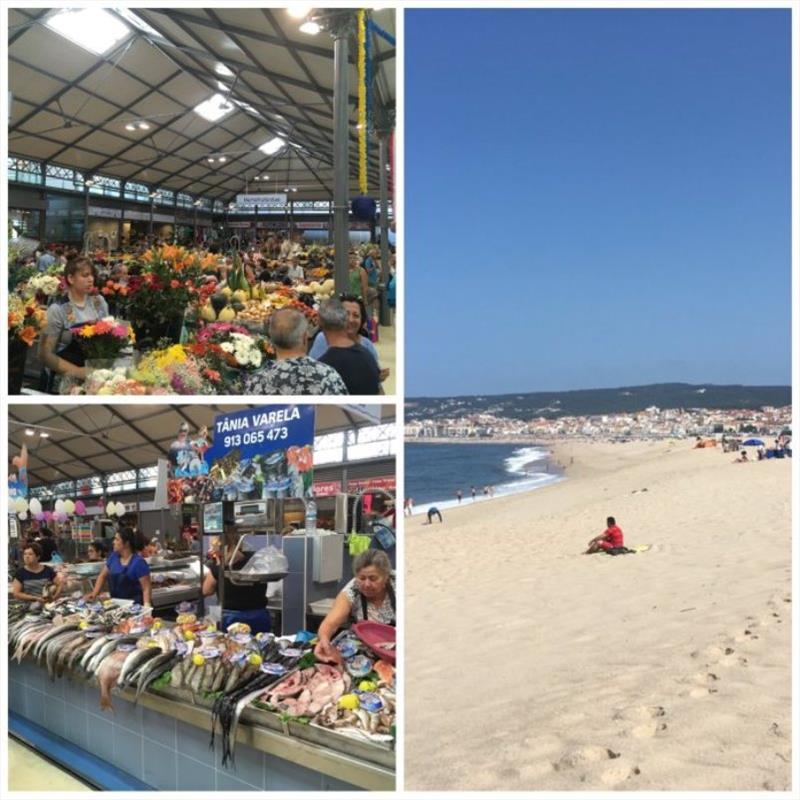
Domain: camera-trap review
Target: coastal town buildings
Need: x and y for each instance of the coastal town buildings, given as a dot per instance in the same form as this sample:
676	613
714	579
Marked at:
652	423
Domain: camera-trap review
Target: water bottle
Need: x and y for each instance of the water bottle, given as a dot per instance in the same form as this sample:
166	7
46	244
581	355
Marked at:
311	516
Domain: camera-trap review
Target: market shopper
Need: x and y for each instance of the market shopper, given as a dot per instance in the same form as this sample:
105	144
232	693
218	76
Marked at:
58	350
243	603
357	278
293	372
358	368
34	581
96	551
356	331
370	595
127	573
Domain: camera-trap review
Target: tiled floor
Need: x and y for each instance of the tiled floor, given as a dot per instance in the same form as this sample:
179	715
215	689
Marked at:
387	355
29	772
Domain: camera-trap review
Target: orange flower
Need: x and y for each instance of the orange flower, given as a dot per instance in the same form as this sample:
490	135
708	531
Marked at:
123	290
102	327
28	334
106	291
14	319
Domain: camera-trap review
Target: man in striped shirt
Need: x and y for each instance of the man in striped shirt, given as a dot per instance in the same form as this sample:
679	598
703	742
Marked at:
31	581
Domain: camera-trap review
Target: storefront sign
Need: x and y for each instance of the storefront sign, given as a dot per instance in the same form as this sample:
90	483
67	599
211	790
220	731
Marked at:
250	455
304	226
327	488
388	484
261	200
108	213
241	225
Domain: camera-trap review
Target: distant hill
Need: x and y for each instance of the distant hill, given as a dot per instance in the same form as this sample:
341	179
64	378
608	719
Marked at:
586	402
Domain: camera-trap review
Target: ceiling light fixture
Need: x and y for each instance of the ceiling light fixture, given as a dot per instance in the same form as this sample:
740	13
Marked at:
221	69
299	10
143	126
44	435
272	146
93	29
222	159
29	431
130	127
216	107
311	28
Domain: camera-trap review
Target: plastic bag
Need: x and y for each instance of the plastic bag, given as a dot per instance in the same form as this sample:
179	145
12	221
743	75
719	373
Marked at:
267	561
358	543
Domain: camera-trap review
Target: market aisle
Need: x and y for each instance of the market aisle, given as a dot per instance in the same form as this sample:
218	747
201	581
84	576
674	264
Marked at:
387	354
29	772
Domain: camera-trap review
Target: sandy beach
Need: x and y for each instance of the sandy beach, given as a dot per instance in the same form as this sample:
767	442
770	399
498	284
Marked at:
532	667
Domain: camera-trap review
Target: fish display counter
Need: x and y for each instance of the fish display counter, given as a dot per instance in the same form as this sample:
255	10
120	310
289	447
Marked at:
198	709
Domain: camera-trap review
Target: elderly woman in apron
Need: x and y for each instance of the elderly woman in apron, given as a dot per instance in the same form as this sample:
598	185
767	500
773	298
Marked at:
370	595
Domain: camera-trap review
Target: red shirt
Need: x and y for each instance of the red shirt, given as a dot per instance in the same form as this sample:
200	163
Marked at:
614	536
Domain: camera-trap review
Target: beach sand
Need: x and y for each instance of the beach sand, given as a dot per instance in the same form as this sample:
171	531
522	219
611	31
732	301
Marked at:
532	667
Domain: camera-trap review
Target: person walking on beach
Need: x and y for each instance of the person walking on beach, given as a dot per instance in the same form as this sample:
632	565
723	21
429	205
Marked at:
434	512
408	504
458	495
610	541
472	489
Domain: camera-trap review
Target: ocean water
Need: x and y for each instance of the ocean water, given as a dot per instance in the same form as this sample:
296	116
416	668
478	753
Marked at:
435	472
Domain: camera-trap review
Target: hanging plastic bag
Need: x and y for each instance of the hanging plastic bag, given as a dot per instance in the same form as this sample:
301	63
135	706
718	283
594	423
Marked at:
267	561
358	543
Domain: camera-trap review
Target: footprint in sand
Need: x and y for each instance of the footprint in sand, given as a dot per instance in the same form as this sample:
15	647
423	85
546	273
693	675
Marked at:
580	756
649	721
703	684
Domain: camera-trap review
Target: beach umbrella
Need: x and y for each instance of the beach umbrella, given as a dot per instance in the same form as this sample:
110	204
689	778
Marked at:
753	443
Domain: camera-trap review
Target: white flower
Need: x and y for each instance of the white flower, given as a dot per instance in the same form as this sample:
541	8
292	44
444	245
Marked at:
227	347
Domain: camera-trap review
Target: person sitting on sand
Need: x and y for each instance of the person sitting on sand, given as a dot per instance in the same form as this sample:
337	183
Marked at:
609	541
742	458
434	512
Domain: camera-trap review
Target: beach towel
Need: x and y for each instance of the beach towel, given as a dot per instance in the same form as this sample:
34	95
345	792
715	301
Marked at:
625	551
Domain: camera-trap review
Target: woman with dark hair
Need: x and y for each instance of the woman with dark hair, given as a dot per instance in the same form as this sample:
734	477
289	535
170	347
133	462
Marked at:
97	550
58	350
356	330
127	573
243	603
34	580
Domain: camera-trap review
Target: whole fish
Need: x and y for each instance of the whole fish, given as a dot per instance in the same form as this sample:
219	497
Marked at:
152	670
94	649
134	660
107	676
57	647
56	631
108	647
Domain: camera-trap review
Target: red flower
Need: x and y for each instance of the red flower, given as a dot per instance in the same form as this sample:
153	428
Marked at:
175	284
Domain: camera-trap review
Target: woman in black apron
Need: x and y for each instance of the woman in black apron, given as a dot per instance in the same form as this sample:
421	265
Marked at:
60	353
370	595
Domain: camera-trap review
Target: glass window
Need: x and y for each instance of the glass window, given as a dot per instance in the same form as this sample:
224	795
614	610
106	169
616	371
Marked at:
63	178
85	487
165	197
137	191
24	222
24	170
184	200
64	220
219	207
103	185
373	441
329	449
124	481
148	477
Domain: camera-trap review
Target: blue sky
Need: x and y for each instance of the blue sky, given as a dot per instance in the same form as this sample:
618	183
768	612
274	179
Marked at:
596	198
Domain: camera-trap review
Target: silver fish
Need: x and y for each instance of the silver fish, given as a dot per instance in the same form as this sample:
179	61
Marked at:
152	670
135	660
56	631
94	648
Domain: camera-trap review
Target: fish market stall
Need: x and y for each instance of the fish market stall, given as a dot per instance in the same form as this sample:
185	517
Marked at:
195	708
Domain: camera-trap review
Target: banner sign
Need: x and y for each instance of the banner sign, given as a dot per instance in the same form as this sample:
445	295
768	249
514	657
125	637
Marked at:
261	200
327	488
106	213
18	481
365	484
256	454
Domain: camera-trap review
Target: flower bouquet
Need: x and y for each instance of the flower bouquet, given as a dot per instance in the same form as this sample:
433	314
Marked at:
43	285
175	370
105	339
109	381
158	296
25	320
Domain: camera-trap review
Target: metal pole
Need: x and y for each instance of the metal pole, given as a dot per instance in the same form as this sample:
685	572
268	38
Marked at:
383	157
342	25
150	225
